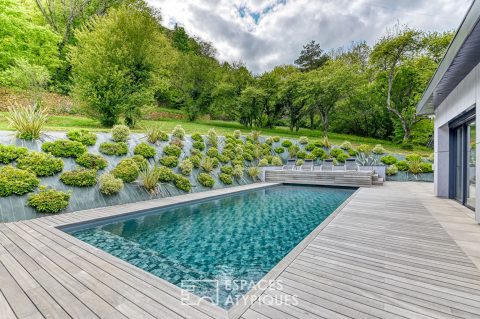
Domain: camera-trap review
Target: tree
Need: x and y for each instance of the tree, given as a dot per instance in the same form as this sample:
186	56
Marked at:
294	102
251	102
117	62
311	57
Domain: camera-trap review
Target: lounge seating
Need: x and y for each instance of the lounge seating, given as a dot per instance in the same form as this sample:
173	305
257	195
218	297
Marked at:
327	165
307	165
351	164
290	165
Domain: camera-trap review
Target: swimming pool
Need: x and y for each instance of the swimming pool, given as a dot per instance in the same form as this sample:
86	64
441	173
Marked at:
216	244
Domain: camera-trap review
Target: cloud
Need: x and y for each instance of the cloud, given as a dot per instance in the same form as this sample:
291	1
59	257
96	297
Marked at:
265	33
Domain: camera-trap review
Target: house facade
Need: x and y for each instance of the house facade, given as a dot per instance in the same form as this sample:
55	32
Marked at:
453	95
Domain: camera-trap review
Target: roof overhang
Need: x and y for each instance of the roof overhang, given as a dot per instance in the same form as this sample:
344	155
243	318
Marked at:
461	57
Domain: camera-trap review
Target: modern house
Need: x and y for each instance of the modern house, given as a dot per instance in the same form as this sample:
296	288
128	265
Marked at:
452	96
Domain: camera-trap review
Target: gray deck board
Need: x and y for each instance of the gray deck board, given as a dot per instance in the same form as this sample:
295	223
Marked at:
383	255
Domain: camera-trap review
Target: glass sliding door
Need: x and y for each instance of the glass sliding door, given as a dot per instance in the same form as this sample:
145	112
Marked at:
471	166
458	165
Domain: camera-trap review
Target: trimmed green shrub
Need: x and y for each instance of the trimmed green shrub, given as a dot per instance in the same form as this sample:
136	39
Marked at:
302	154
212	152
319	153
49	201
392	170
402	165
120	133
109	184
182	183
165	174
413	157
346	145
277	161
310	147
248	156
303	140
127	170
352	152
196	161
279	150
140	160
237	133
388	159
83	136
172	150
155	134
206	180
227	169
342	157
145	150
238	161
263	162
9	153
186	167
222	158
177	142
299	162
89	160
237	171
287	143
109	148
364	148
379	149
42	164
426	167
212	137
64	148
169	161
335	152
16	181
197	137
276	139
178	132
269	140
226	178
292	150
199	145
81	177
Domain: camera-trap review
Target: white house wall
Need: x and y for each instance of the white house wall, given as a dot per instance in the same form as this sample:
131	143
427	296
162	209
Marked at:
466	94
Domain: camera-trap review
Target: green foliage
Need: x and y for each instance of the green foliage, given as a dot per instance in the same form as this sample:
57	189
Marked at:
389	160
326	142
253	172
165	174
49	201
197	137
335	152
148	177
205	180
64	148
116	63
364	148
186	167
199	145
277	161
226	178
196	161
402	165
302	155
319	153
127	170
237	171
208	164
431	157
41	164
310	147
379	150
113	148
342	157
120	133
81	177
303	140
212	138
144	150
140	160
413	157
172	150
426	167
346	145
392	170
263	162
237	133
415	167
269	140
28	121
83	136
178	132
311	57
9	153
227	169
279	150
94	161
16	181
169	161
212	152
182	183
276	139
299	162
287	143
109	184
155	134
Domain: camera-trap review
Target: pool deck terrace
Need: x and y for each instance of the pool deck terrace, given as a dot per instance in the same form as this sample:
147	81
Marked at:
389	252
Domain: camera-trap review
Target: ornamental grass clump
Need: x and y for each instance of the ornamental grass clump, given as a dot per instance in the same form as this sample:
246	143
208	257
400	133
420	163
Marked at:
89	160
212	138
64	148
109	184
80	177
14	181
149	177
206	180
208	164
48	201
9	153
182	183
83	136
127	170
155	134
120	133
113	148
27	121
145	150
253	172
237	171
42	164
346	145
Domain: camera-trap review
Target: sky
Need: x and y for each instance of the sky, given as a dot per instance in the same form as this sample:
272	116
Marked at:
266	33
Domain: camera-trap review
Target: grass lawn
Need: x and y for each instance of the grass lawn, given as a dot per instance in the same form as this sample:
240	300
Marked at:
63	123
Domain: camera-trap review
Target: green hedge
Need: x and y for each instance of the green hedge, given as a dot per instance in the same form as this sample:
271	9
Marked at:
64	148
9	153
127	170
42	164
89	160
112	148
81	177
49	201
83	136
16	181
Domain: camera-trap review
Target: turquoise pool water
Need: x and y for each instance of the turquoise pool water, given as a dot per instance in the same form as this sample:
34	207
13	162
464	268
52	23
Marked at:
218	248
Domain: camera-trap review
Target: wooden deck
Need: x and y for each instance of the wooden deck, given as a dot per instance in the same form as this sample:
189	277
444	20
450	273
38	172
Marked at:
383	255
325	178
